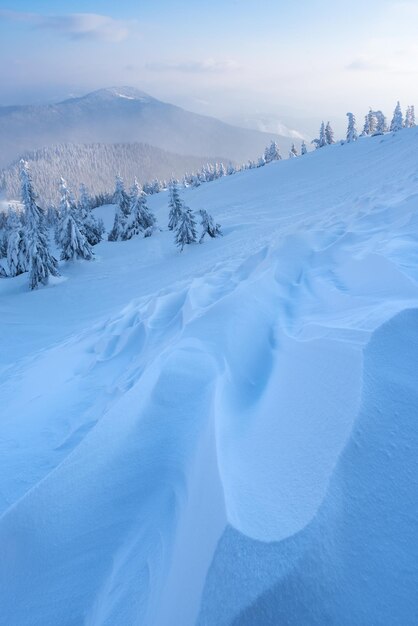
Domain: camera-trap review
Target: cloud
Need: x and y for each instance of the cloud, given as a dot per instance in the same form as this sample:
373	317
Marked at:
205	66
365	65
74	25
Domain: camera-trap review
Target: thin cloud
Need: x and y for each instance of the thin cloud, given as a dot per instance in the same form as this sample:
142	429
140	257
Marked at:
204	66
364	65
74	25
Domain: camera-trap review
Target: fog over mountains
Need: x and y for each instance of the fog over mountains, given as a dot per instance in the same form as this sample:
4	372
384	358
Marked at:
126	115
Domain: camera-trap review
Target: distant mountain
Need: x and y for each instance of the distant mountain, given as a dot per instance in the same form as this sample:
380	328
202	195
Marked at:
96	166
121	115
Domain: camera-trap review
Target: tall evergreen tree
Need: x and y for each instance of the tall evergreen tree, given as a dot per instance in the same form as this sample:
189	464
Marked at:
381	123
40	262
121	200
410	117
329	134
352	134
209	227
303	148
372	121
73	242
120	197
293	152
366	127
322	140
397	120
140	220
186	229
272	153
16	245
92	228
175	205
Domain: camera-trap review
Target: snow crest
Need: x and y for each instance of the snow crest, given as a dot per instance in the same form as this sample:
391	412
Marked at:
239	446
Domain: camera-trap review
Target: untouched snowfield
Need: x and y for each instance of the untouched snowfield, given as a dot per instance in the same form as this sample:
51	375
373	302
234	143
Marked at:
226	436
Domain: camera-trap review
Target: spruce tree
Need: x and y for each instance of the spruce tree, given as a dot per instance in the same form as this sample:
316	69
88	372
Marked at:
293	152
186	229
40	262
120	197
366	127
352	134
272	153
92	228
121	200
410	117
303	148
372	118
72	240
140	220
397	120
381	123
209	227
329	134
175	205
322	141
16	245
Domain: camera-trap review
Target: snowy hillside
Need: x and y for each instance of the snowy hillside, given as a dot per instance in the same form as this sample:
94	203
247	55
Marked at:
125	115
227	435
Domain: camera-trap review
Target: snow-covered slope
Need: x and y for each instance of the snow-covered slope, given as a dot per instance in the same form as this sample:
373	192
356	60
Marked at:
125	115
227	435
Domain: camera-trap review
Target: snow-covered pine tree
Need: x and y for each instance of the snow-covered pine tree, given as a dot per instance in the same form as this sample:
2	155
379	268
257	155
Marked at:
209	227
16	245
372	121
329	134
272	153
120	197
352	134
397	120
84	202
92	228
40	262
175	205
322	136
3	244
410	117
230	169
195	181
72	240
322	140
140	220
121	200
366	128
303	148
261	161
186	229
293	152
381	123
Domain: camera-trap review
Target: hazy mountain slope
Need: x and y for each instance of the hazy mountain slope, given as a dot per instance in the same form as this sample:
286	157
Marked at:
119	115
228	435
96	166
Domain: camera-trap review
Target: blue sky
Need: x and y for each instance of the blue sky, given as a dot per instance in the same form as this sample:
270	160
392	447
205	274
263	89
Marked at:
246	61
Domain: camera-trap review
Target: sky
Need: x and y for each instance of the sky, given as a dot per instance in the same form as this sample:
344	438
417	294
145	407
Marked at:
257	63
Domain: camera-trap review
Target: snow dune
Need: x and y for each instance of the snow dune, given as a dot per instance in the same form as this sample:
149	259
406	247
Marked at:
227	435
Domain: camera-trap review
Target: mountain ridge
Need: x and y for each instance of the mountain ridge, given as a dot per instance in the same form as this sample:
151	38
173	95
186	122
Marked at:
126	115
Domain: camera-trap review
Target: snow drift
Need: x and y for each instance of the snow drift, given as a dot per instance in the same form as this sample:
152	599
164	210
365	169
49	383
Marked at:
227	435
